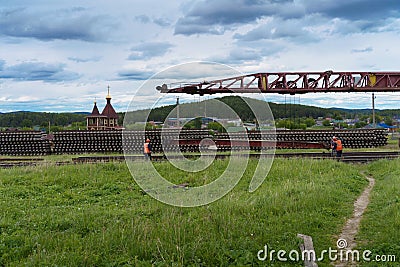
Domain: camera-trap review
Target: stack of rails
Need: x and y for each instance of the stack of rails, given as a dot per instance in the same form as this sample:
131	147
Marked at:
362	138
77	142
162	140
23	143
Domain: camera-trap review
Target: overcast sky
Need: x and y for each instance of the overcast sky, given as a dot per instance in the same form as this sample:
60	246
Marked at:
62	55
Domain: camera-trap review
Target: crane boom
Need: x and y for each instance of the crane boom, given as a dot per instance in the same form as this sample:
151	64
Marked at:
292	83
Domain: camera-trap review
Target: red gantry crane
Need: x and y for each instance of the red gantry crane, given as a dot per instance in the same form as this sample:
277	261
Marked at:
287	83
292	83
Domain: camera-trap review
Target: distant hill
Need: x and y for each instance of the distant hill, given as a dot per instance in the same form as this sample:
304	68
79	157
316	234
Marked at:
211	107
82	113
367	111
29	119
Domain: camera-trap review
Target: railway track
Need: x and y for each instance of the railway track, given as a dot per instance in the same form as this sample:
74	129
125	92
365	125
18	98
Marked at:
347	157
6	163
351	157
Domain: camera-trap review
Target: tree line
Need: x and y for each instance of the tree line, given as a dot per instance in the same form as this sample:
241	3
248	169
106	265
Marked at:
58	121
29	119
290	112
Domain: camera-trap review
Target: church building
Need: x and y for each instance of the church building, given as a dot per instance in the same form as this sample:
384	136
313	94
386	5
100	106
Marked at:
106	120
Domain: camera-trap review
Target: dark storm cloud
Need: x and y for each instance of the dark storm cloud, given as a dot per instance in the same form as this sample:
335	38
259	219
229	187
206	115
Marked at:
65	24
215	17
149	50
37	71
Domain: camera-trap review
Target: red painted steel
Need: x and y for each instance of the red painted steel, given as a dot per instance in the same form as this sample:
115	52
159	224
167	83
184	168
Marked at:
293	83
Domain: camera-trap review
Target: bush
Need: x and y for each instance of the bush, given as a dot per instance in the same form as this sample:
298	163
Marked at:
326	123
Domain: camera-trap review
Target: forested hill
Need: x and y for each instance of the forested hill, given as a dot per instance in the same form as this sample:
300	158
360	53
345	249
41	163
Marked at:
213	109
210	107
21	119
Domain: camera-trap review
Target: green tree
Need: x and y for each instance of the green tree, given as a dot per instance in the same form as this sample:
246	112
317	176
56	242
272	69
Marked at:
26	123
149	126
301	126
326	123
338	117
193	124
216	126
360	124
389	121
378	118
55	128
309	122
197	123
285	123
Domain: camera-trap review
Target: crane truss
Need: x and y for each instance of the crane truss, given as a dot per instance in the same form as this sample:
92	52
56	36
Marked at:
292	83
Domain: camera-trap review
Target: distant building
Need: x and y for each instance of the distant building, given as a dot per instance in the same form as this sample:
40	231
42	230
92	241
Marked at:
107	120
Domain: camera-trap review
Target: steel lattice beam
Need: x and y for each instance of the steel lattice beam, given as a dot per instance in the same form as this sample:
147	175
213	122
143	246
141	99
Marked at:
293	83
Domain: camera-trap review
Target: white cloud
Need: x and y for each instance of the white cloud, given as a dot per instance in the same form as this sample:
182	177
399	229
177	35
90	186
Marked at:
147	50
60	55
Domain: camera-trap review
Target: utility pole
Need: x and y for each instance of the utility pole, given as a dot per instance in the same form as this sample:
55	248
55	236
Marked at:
373	110
177	113
205	108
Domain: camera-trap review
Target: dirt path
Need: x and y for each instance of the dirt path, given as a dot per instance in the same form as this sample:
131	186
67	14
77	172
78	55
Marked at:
352	225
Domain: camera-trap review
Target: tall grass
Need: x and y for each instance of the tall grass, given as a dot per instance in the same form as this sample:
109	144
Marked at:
96	215
380	227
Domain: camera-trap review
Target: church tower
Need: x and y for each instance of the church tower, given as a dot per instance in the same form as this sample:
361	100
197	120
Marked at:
112	117
107	120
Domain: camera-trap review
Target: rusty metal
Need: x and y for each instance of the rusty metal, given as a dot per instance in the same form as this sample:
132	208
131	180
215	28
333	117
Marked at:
292	83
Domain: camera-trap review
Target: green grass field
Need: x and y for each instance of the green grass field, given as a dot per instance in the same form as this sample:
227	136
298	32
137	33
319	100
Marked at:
96	215
380	228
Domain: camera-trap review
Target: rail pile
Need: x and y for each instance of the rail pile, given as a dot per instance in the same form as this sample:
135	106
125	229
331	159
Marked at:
78	142
350	138
163	140
23	143
363	138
